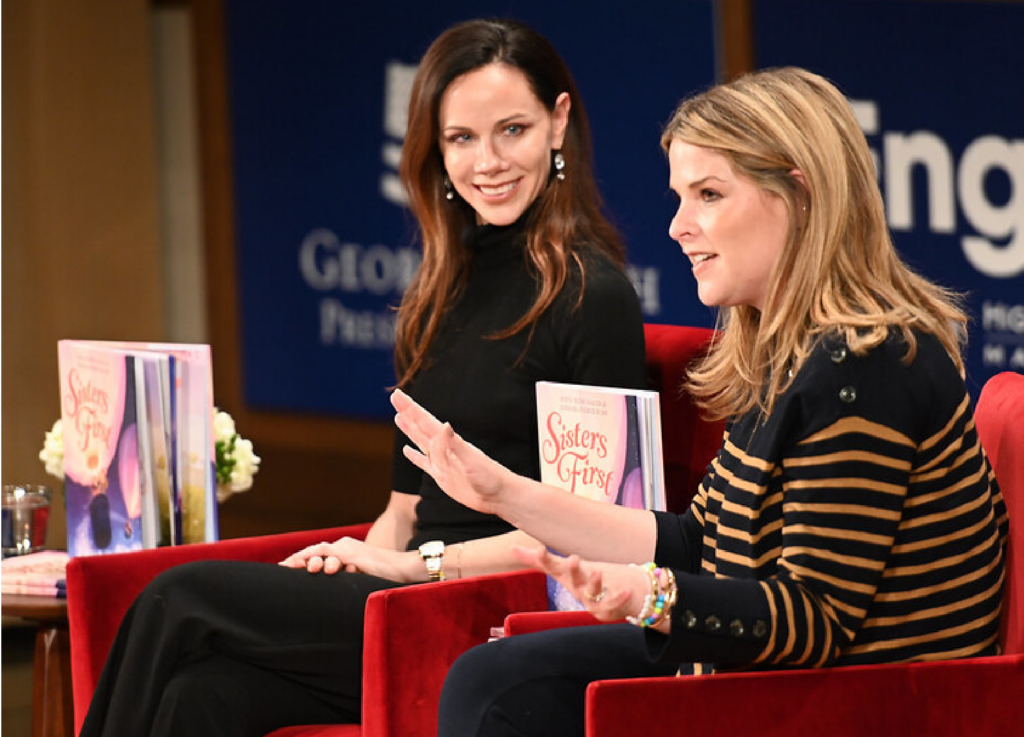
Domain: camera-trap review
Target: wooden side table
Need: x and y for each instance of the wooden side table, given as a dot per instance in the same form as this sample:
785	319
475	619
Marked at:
52	704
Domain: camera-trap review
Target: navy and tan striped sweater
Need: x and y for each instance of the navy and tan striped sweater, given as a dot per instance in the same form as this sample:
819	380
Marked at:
859	523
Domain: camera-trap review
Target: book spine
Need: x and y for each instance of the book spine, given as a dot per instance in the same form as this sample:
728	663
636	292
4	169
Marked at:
149	514
32	579
653	460
177	473
25	589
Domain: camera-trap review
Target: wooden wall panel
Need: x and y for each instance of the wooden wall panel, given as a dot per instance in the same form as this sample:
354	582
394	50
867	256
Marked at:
80	243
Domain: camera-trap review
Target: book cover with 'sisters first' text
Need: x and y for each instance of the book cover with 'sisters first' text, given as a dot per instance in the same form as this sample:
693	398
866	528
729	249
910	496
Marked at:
601	443
139	459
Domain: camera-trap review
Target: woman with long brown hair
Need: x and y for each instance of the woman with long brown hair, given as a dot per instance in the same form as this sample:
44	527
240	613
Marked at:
521	281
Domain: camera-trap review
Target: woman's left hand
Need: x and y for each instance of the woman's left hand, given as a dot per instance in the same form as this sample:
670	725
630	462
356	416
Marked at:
609	591
351	555
461	469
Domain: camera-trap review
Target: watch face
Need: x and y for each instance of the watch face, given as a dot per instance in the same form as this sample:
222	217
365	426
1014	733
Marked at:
432	549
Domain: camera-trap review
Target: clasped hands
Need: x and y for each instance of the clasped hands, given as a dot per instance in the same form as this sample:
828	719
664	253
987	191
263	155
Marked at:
354	556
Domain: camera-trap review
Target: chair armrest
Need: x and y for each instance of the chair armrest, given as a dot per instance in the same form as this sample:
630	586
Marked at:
102	587
940	699
414	633
521	623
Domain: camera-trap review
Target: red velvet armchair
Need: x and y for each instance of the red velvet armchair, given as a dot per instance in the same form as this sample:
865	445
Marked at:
976	696
403	666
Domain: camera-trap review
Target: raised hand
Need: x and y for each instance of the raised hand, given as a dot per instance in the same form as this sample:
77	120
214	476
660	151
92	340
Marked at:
461	469
548	514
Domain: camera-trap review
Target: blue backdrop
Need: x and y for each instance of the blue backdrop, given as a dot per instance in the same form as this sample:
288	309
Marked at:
318	91
939	93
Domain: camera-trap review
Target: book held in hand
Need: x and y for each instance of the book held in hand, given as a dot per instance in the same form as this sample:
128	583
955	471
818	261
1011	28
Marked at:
139	462
602	443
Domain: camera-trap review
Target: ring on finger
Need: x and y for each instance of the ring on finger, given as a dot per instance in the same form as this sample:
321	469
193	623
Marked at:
596	598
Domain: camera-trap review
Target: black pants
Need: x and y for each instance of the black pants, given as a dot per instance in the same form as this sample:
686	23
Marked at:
534	685
233	648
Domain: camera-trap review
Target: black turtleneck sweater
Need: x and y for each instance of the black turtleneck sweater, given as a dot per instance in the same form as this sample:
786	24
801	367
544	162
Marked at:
485	387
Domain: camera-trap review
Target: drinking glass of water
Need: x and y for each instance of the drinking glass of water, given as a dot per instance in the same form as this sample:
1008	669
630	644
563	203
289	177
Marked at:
25	509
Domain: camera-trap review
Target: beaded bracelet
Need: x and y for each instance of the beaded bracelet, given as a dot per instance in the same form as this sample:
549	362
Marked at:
651	599
666	600
659	602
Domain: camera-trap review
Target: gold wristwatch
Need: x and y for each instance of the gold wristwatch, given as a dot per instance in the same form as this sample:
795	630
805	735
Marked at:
432	553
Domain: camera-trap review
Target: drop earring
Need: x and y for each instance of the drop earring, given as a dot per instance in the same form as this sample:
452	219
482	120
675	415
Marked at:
449	191
559	162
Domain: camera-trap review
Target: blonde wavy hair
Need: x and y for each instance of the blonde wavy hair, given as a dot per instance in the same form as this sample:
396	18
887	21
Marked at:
838	272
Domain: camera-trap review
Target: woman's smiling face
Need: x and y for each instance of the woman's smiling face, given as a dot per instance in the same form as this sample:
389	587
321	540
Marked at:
497	139
731	229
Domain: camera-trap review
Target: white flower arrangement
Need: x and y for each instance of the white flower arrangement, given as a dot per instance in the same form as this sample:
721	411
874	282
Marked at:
236	461
52	454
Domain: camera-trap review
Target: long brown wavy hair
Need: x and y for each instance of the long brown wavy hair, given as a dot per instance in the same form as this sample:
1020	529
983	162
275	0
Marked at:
838	272
566	214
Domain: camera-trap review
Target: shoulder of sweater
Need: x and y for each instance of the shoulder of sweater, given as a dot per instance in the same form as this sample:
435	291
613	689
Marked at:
889	359
605	287
600	270
880	385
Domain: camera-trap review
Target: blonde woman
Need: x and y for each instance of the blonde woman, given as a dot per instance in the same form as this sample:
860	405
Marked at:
851	515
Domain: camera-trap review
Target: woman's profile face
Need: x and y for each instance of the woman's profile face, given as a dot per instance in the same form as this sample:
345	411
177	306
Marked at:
731	229
496	140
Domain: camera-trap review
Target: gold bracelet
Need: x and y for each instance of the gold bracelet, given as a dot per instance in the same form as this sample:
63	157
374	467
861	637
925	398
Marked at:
668	596
659	602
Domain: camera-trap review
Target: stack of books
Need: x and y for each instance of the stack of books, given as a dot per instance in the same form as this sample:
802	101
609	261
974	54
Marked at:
35	574
139	446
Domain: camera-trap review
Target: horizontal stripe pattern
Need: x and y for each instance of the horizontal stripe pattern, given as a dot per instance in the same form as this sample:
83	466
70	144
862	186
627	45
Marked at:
875	539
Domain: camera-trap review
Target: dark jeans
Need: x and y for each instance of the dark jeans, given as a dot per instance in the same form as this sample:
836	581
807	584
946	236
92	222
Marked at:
534	685
234	648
